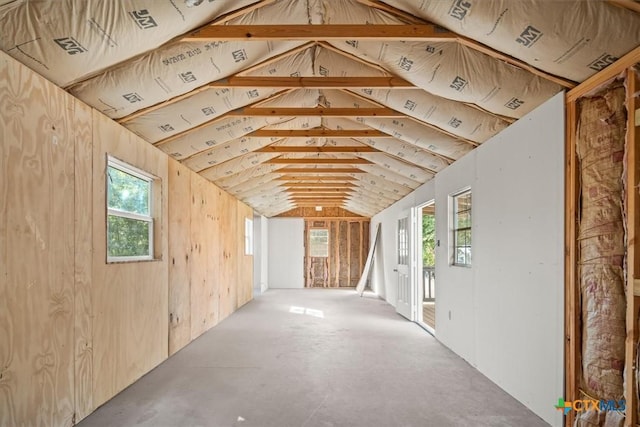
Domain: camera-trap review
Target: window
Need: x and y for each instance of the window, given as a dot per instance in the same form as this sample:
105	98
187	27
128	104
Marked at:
462	229
403	241
319	242
248	236
129	213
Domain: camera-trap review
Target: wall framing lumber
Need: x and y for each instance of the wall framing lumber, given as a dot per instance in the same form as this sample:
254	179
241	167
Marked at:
624	67
633	254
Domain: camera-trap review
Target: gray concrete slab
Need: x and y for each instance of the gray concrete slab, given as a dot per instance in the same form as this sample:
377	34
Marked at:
314	358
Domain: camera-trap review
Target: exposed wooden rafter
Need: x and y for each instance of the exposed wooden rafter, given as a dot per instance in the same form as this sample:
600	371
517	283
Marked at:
316	149
288	170
299	195
213	120
626	4
406	116
318	133
315	112
290	185
319	161
313	82
298	178
421	32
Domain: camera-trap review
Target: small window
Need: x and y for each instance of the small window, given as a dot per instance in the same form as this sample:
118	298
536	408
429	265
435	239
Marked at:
248	236
403	241
129	213
462	229
319	242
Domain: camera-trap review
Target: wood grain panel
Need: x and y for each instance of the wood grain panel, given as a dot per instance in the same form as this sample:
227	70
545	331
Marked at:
227	237
130	300
83	306
36	283
343	253
245	262
179	256
204	293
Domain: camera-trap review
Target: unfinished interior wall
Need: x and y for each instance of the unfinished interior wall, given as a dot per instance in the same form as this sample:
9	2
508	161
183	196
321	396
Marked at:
347	252
601	235
603	221
74	329
504	314
286	253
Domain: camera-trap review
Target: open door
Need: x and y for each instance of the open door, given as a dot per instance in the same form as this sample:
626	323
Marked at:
425	249
404	304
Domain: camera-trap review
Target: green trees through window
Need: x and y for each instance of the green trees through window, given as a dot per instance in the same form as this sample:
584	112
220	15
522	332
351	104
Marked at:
129	220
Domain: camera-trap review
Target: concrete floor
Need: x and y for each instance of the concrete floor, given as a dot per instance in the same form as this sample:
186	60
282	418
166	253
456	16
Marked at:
313	358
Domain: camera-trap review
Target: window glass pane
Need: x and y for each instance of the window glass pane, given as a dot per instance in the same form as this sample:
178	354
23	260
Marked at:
463	219
319	242
127	237
127	192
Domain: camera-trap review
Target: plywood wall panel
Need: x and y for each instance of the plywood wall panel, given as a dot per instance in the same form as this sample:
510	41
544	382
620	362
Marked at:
83	307
343	252
204	293
36	285
245	262
130	300
228	258
179	256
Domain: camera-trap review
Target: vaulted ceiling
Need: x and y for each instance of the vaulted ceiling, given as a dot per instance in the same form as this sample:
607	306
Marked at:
295	103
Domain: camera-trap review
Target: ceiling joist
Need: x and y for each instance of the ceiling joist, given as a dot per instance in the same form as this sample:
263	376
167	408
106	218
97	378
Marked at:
298	178
421	32
318	133
313	82
316	149
319	171
315	112
291	185
319	161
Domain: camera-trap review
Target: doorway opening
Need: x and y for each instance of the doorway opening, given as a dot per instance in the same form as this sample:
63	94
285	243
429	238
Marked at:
426	279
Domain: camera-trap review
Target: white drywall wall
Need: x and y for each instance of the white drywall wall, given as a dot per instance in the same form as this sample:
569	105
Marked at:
286	252
506	309
260	254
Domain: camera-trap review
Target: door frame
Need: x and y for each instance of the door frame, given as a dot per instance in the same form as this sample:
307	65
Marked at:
416	261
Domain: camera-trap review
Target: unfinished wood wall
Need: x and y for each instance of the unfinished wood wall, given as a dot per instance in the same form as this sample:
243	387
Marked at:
74	330
348	247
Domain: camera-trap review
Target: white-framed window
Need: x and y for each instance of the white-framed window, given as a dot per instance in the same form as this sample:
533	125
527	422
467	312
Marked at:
462	228
248	236
130	225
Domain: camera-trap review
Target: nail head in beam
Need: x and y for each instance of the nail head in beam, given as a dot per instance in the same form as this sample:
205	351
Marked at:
419	32
315	112
318	133
313	82
319	161
317	149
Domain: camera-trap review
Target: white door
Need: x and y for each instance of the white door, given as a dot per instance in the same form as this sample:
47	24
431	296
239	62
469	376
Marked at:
404	304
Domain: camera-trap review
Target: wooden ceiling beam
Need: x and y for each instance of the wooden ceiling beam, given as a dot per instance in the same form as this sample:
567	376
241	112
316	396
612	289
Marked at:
318	133
288	170
291	185
318	161
316	149
626	4
298	178
313	82
212	121
318	195
315	112
417	32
